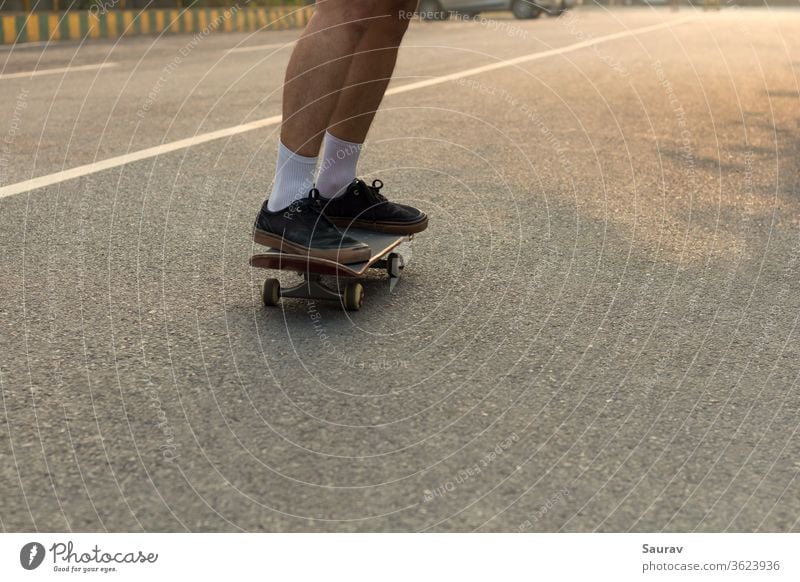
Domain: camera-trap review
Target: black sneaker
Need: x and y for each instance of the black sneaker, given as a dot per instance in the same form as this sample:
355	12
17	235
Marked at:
302	229
363	206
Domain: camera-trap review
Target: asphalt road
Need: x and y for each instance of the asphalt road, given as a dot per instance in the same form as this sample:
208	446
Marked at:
598	332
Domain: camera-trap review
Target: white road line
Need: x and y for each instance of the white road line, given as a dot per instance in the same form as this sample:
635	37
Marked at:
22	45
40	72
64	175
261	47
535	56
95	167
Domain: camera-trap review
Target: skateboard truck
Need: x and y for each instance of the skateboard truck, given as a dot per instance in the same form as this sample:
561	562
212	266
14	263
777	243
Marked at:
350	294
394	264
312	287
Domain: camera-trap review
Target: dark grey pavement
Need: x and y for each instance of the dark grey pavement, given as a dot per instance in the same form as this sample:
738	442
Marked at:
597	332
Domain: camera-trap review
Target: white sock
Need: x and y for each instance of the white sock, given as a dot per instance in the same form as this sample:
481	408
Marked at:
338	168
294	177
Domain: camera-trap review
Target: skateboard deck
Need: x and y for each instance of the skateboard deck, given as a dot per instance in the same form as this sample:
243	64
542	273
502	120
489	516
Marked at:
351	294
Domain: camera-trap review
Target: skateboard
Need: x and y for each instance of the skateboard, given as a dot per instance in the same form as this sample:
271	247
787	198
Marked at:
385	255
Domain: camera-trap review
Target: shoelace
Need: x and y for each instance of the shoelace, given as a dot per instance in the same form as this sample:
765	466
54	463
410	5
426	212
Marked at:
312	203
315	205
372	193
314	199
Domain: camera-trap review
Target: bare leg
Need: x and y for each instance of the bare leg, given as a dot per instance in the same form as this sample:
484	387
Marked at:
370	71
350	203
322	63
318	68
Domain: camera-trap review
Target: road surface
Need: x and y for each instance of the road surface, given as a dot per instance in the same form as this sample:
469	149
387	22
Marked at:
598	331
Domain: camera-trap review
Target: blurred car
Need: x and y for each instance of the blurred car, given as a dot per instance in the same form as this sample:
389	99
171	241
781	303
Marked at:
443	9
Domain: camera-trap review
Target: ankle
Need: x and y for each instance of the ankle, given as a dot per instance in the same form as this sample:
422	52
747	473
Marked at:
294	176
338	167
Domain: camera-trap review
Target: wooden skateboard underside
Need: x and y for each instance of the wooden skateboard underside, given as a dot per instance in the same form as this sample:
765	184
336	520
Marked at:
380	245
312	269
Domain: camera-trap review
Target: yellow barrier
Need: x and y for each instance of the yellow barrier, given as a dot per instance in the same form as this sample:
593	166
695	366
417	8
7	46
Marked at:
44	26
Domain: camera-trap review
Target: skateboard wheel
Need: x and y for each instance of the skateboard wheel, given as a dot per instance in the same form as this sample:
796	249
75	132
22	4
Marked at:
271	293
353	296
